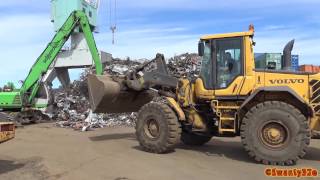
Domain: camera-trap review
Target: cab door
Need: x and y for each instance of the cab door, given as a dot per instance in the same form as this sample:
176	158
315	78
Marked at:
228	69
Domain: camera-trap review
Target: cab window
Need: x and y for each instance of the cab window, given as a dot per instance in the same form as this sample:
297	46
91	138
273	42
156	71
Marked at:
229	61
206	66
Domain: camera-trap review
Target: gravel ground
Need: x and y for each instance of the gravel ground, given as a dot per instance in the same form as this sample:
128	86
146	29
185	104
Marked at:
43	151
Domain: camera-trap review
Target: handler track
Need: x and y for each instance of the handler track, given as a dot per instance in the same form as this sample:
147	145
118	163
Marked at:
4	117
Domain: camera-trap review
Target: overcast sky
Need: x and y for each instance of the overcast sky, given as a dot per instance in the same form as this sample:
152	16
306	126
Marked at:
146	27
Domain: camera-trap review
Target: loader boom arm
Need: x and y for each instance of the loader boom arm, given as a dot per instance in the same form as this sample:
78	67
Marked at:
31	84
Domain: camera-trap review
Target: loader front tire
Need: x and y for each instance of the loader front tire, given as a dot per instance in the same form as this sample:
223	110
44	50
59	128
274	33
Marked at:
275	133
157	128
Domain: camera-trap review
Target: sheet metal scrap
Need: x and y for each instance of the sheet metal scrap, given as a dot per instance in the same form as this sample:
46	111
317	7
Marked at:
120	67
184	65
72	109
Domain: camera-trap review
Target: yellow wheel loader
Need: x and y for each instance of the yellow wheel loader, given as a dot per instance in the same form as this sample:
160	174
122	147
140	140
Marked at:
273	111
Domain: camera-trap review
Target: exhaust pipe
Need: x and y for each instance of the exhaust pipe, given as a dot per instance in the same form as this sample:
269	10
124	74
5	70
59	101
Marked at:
286	58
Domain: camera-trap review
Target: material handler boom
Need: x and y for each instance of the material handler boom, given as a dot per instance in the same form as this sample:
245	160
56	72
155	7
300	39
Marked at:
25	97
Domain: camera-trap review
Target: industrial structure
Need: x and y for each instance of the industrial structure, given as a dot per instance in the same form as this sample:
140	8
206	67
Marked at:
77	55
74	19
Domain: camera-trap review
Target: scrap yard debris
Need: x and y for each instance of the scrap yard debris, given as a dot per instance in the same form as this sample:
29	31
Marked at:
184	65
72	108
120	67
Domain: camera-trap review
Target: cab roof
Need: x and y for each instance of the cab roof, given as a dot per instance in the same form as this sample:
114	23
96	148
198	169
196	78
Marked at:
227	35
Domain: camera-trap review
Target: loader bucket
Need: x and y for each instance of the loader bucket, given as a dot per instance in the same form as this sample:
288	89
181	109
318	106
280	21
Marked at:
108	96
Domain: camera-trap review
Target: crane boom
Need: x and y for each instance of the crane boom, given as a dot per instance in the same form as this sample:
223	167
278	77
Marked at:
41	66
25	96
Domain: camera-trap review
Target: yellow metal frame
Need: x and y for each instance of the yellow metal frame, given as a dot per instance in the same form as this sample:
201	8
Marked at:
225	118
252	79
249	82
173	104
227	35
7	135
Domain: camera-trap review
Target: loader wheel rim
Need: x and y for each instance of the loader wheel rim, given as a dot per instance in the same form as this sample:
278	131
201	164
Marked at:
152	129
274	135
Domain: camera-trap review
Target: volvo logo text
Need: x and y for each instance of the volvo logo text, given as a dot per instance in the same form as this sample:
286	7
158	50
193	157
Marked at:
286	81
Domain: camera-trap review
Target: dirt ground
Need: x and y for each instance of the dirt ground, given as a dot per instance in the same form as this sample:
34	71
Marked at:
46	152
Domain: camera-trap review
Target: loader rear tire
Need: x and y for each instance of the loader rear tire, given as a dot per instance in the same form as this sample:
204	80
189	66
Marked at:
157	128
194	139
275	133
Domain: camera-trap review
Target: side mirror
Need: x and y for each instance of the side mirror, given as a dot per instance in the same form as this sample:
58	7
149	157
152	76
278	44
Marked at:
200	48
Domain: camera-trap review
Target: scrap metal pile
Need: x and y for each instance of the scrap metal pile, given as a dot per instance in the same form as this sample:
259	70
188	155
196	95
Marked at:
72	109
184	65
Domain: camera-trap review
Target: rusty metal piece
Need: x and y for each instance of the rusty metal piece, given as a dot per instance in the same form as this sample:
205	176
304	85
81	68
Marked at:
108	96
7	131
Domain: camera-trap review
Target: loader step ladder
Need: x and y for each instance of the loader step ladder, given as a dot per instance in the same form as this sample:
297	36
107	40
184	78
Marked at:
227	116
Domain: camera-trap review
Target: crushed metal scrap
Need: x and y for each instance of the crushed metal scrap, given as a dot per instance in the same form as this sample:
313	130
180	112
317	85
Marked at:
72	109
184	65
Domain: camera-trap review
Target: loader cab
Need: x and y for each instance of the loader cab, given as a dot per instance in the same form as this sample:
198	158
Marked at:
222	62
224	58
